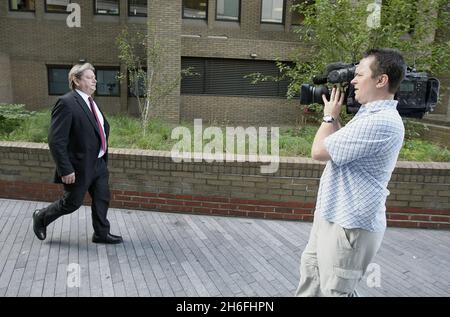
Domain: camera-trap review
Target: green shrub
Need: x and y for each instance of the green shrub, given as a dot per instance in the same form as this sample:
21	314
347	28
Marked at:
126	132
33	129
423	151
12	116
413	130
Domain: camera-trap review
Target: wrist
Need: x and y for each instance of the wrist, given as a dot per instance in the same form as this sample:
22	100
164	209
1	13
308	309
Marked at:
328	119
335	116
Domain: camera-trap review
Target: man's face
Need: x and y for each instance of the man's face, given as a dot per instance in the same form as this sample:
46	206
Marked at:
365	85
87	83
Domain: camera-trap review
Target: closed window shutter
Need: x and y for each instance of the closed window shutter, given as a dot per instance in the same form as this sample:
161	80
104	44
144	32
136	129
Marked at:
193	84
227	77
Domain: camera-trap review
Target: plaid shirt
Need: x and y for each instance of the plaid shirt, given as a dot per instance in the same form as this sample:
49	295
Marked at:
353	186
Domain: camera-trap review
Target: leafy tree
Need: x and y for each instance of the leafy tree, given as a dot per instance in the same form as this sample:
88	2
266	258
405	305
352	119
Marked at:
142	57
338	30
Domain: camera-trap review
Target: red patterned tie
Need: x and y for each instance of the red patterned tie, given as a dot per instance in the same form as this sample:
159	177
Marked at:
102	135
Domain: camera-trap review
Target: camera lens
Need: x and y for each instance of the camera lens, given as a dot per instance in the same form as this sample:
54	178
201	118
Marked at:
311	94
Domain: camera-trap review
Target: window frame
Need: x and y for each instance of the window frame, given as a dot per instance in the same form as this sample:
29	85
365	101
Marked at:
228	20
192	18
13	10
106	14
57	12
129	94
103	68
283	18
57	66
135	15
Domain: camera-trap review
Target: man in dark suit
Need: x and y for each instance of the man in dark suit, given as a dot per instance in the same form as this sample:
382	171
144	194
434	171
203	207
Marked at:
78	142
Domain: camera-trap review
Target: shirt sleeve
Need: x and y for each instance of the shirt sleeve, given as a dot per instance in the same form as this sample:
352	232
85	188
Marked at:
361	138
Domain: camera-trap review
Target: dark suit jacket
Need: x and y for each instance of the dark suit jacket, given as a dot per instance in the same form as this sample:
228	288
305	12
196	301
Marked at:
74	138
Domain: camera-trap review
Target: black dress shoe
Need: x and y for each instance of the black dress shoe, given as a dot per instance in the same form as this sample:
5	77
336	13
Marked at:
108	239
39	227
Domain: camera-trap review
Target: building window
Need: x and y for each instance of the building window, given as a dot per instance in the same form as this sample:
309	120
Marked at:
226	77
58	82
107	81
137	8
195	9
228	10
106	7
56	6
297	18
272	11
21	5
132	91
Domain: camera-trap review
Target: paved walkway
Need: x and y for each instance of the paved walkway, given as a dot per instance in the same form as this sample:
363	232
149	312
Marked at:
187	255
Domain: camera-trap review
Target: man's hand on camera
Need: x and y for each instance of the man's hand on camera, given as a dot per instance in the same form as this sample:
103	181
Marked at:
68	179
334	105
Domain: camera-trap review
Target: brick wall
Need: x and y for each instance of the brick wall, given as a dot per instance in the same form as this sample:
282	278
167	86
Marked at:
5	79
148	180
164	29
33	39
229	110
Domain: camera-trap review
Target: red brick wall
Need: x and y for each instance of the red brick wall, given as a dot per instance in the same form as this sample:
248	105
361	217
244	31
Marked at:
148	180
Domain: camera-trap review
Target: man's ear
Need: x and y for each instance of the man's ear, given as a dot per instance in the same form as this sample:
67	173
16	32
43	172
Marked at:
383	81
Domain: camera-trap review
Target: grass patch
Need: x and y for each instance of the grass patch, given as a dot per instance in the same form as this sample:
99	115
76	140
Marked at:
423	151
33	129
126	132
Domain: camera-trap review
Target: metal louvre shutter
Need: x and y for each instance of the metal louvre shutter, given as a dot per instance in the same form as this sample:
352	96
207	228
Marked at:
226	77
193	84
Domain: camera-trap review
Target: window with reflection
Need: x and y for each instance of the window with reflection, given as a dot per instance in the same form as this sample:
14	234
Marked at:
106	7
228	10
56	6
22	5
195	9
272	11
58	82
137	8
107	81
136	90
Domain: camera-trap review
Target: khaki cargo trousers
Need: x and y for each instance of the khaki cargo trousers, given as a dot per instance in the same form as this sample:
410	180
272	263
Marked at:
335	259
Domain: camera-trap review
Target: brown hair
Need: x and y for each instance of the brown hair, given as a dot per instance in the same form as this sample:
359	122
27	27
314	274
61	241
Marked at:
390	62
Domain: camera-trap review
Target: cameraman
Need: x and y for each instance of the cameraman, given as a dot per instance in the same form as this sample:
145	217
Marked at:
350	218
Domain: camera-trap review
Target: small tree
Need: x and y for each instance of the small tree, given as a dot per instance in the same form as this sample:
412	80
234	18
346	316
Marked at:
142	57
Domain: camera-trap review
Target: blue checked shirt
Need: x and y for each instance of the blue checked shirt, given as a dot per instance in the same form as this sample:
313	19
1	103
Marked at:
353	186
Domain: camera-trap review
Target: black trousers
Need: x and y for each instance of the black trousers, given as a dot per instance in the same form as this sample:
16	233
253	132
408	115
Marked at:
73	198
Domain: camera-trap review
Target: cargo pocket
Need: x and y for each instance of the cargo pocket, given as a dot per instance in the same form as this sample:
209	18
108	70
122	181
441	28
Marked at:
343	280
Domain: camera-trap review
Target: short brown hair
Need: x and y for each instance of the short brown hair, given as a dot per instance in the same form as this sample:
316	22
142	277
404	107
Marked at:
77	71
390	62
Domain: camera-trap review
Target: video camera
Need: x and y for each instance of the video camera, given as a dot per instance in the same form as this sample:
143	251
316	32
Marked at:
416	95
